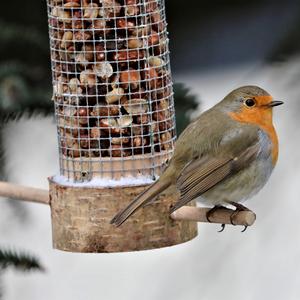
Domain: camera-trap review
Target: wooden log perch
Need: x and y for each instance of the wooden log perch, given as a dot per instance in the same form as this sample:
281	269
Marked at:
221	216
81	220
24	193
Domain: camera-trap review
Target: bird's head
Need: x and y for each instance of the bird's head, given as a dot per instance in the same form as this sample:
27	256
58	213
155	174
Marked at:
250	104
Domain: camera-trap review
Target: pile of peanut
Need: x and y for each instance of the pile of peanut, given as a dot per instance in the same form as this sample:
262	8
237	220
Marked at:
111	77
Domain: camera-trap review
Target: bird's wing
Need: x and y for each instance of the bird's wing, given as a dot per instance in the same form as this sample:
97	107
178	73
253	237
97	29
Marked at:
202	174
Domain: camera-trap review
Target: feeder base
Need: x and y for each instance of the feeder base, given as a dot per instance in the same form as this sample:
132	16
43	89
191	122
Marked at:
81	220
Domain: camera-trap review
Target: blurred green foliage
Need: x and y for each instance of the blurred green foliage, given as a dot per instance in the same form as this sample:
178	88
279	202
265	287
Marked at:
185	103
24	69
19	260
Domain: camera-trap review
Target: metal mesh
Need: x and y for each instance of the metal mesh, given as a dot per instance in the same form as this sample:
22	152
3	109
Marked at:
112	87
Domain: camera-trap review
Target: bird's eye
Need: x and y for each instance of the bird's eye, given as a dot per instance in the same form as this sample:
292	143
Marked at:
250	102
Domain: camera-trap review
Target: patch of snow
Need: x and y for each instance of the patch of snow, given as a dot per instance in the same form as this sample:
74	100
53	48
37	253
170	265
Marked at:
105	182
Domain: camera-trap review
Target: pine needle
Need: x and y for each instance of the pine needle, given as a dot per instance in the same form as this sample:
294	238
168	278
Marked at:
20	261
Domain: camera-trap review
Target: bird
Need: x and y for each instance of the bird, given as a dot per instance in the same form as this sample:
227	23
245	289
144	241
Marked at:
223	157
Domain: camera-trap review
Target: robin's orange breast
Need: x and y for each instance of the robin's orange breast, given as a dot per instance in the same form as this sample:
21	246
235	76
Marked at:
261	117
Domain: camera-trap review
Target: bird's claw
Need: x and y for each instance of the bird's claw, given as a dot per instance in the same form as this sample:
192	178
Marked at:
222	228
245	228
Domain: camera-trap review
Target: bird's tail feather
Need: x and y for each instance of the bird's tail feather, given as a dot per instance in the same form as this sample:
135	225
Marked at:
144	198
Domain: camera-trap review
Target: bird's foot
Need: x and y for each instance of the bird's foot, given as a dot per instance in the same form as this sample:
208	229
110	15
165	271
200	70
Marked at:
238	207
211	211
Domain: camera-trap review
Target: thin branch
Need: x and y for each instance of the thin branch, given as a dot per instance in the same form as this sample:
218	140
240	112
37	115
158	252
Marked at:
24	193
221	216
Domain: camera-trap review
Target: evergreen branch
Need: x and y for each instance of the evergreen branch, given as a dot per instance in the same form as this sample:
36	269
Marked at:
183	97
8	116
19	261
185	102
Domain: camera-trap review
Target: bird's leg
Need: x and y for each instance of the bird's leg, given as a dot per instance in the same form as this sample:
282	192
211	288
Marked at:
211	211
238	207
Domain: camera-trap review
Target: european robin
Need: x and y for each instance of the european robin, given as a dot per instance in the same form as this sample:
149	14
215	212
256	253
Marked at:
225	156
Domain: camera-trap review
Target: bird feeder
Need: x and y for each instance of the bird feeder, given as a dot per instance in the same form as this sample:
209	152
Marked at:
114	109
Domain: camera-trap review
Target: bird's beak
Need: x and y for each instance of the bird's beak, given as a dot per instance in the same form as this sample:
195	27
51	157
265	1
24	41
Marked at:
274	103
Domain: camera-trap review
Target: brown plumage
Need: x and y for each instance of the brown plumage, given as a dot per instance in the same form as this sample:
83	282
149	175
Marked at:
226	155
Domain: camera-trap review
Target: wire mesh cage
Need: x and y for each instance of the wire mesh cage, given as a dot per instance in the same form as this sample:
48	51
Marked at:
112	87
